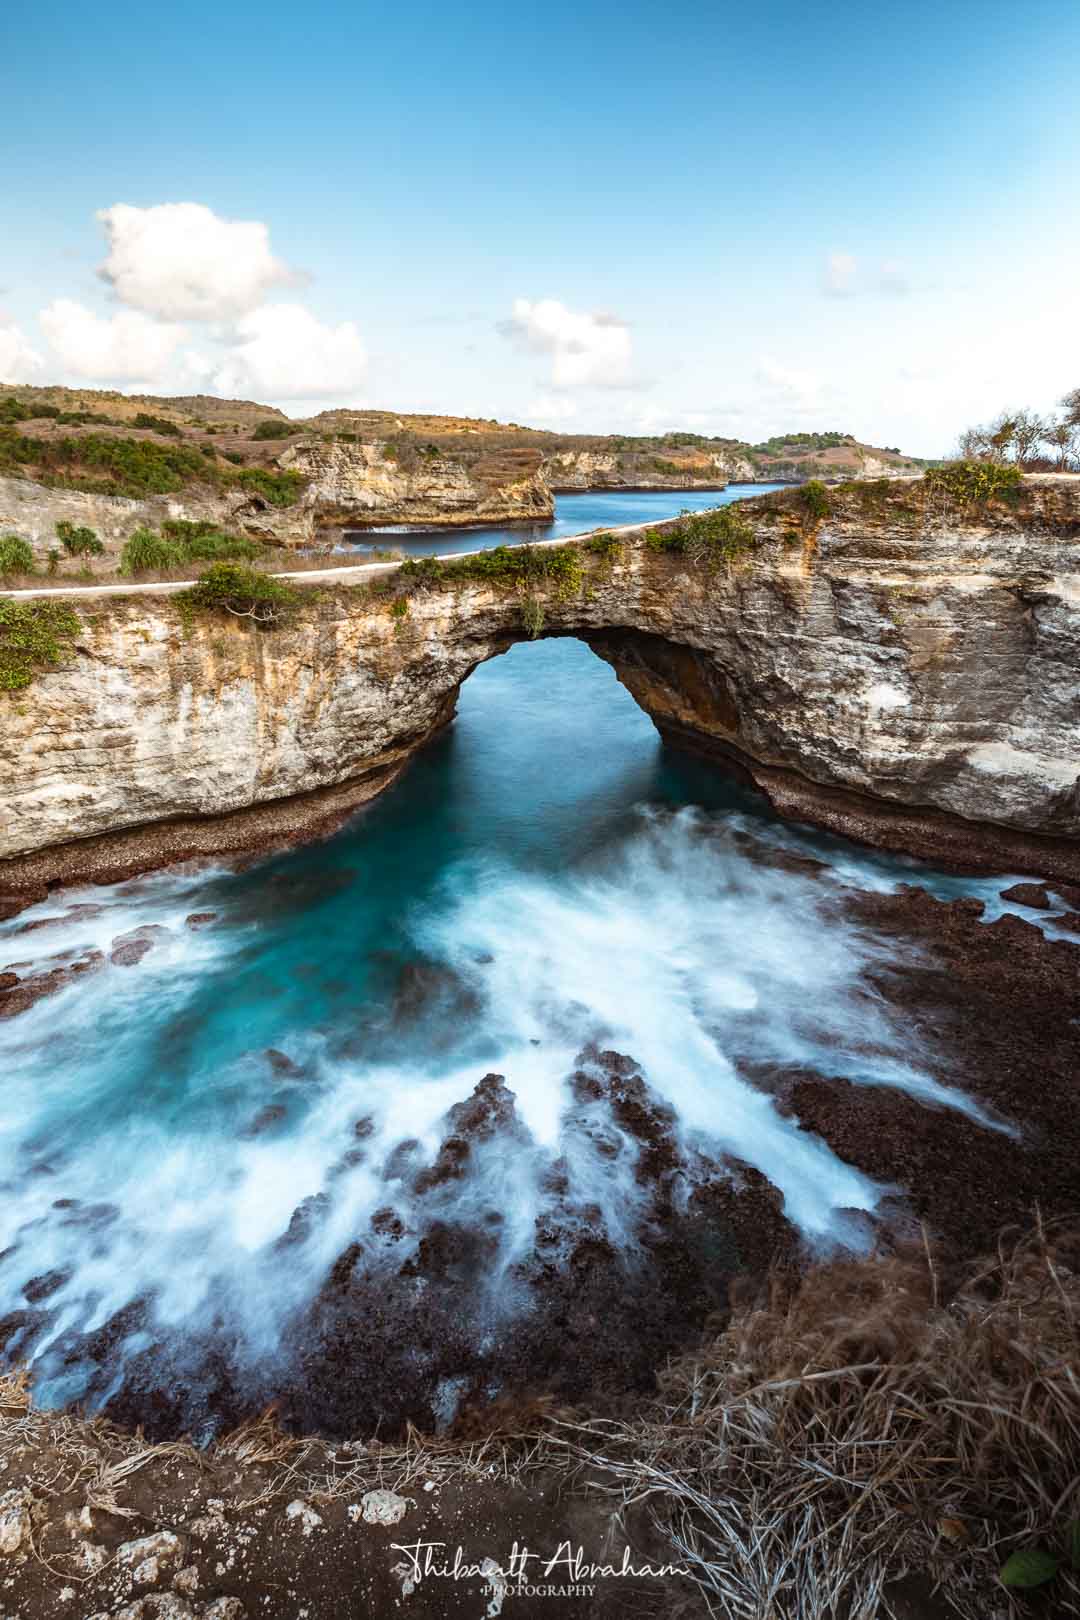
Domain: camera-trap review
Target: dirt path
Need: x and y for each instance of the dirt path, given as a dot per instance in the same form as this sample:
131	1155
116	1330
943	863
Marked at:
350	573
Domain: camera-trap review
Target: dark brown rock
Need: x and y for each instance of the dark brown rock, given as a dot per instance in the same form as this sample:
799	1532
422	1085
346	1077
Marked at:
1028	894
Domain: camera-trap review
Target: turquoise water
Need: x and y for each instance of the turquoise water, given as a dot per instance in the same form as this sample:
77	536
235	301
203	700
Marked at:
574	514
190	1144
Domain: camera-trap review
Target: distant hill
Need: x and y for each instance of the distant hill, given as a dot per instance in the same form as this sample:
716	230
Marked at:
246	432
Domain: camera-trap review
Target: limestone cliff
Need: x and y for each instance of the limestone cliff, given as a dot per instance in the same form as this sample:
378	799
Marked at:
613	469
372	483
33	510
348	486
900	669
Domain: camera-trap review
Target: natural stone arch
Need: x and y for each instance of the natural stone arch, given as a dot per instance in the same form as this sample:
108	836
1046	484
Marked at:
908	678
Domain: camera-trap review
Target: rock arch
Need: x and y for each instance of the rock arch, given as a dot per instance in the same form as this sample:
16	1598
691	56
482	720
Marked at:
906	678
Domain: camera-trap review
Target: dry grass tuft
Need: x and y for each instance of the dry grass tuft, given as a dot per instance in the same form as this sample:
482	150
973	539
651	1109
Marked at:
853	1429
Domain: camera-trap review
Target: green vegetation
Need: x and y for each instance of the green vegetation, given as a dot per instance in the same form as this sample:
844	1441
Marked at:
784	443
1030	1567
815	498
670	469
519	567
605	545
272	429
32	636
133	467
708	537
242	591
182	542
16	555
973	483
78	541
157	424
17	410
532	616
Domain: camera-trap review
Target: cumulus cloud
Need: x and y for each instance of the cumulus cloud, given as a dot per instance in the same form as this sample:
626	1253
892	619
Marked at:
19	360
587	350
838	277
282	352
183	262
125	347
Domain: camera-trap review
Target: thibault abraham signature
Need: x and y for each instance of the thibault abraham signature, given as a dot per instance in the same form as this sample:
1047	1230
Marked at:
431	1560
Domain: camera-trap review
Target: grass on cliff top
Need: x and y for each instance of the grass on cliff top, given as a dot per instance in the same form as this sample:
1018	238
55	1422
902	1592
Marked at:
706	537
135	467
33	635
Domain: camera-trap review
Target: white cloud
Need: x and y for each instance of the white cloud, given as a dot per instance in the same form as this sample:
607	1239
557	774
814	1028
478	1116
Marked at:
787	389
841	277
183	262
125	347
893	278
838	279
282	352
19	361
587	350
547	408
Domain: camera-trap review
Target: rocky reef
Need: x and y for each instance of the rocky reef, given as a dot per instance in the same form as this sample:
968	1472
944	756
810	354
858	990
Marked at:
899	666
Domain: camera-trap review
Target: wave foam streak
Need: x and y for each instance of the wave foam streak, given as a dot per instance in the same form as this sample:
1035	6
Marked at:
195	1170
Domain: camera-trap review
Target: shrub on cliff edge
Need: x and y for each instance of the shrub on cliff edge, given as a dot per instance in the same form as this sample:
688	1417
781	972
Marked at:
973	483
708	537
244	592
32	635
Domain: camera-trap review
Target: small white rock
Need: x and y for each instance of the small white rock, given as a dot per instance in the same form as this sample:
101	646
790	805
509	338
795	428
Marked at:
160	1606
305	1514
383	1507
186	1580
14	1520
224	1608
161	1548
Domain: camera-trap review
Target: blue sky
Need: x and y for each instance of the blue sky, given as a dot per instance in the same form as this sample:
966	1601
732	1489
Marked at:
597	217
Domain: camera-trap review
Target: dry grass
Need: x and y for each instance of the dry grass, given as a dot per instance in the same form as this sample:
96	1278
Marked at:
856	1428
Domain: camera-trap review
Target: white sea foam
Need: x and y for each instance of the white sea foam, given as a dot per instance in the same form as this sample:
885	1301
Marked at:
715	970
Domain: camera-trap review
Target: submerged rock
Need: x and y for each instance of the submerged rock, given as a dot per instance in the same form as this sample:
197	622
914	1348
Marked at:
129	949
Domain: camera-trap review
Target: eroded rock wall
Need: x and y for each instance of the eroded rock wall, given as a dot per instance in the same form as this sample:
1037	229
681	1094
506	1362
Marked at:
356	485
33	510
906	675
568	470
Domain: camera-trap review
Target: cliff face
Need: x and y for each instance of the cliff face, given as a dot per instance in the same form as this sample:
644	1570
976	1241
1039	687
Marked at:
901	673
609	469
349	486
33	510
367	484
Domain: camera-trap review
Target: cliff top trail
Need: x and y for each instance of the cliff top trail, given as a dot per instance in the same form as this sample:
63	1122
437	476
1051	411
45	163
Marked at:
342	574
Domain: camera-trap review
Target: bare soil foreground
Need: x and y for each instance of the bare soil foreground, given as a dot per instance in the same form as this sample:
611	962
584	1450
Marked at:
822	1432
